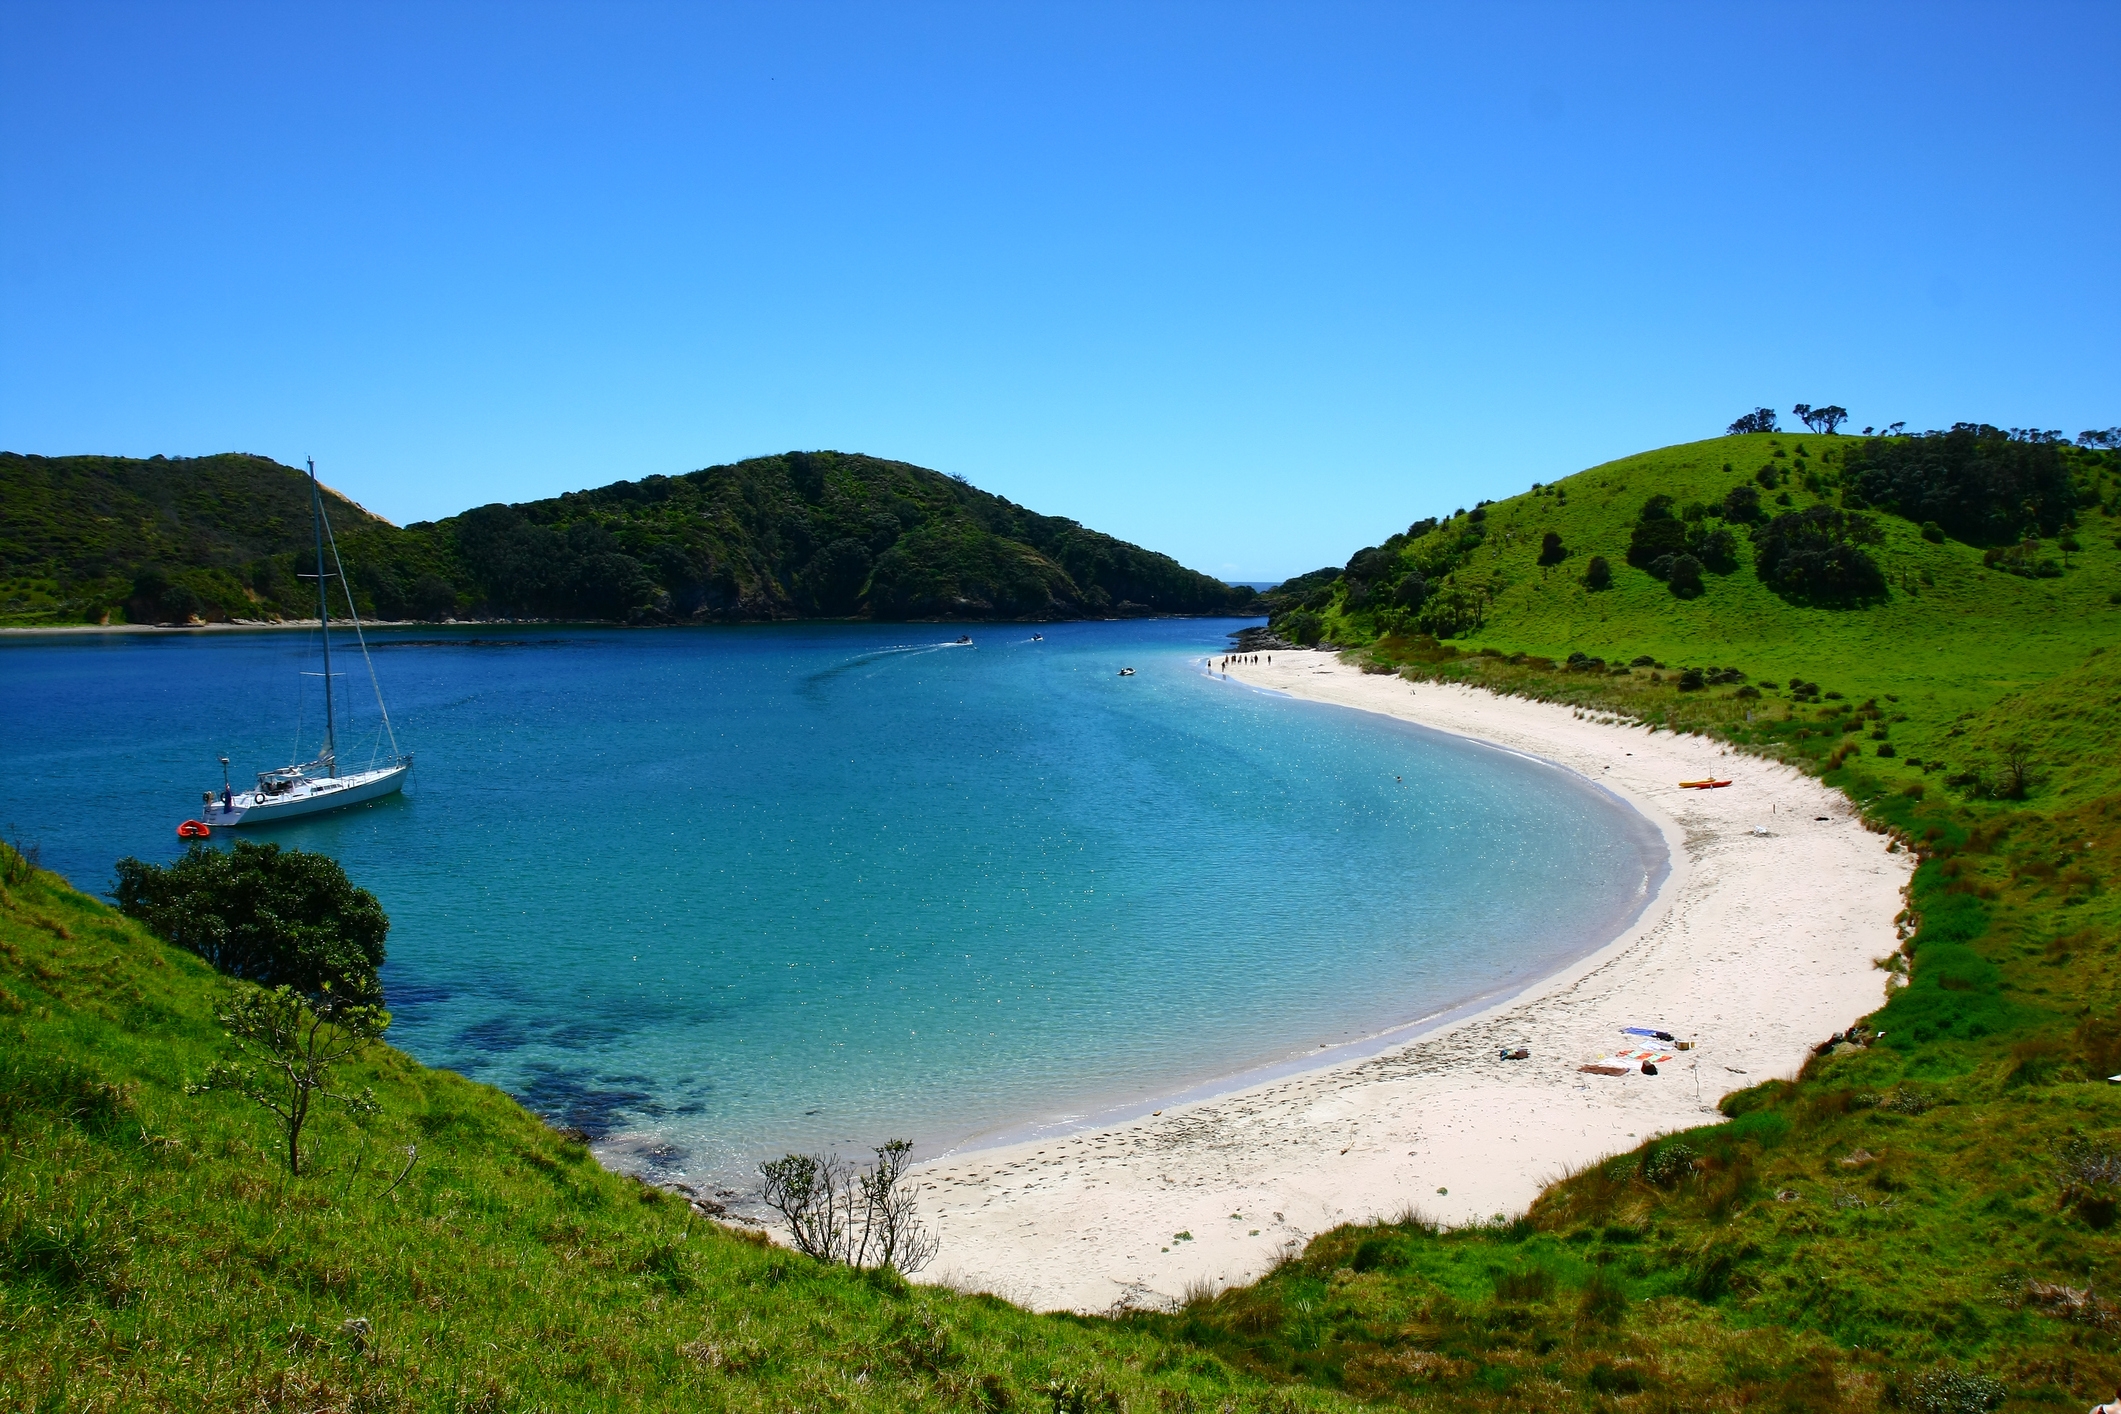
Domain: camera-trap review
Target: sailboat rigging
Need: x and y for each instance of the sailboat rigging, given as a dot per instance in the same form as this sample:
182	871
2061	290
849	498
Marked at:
313	786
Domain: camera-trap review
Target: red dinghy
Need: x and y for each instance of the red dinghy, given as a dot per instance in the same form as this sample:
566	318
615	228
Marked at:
193	830
1703	785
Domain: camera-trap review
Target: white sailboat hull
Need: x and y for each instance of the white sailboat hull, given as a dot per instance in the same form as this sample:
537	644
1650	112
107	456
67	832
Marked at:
312	797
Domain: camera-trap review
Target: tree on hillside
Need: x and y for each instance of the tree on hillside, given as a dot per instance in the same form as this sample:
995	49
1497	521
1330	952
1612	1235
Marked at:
1302	627
1983	485
291	1045
1657	534
277	917
1824	419
1597	574
1551	551
1817	555
1742	504
1684	575
1758	420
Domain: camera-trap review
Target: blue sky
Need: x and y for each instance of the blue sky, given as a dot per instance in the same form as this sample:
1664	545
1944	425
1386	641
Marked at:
1254	285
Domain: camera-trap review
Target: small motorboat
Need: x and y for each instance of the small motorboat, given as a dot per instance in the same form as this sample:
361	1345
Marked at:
964	638
1126	672
1703	785
1038	638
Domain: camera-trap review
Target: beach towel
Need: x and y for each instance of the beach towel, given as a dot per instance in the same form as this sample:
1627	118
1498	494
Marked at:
1640	1054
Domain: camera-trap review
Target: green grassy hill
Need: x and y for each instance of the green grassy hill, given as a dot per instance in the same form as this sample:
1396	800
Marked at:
1925	1220
801	535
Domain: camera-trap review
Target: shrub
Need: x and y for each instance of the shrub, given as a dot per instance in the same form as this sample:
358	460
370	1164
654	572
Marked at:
274	916
1690	680
1550	549
1684	576
1597	574
835	1214
1742	504
1933	532
1817	554
1885	748
1666	1164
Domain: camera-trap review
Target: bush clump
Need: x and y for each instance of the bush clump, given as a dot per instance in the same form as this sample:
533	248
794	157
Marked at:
277	917
1818	555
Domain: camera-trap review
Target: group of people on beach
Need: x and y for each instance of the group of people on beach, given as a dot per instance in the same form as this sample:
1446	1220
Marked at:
1239	658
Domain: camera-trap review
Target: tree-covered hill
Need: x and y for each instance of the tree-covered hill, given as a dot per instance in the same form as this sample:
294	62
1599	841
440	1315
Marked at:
801	535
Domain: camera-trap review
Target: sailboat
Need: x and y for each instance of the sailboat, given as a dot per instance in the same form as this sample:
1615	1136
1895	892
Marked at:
311	787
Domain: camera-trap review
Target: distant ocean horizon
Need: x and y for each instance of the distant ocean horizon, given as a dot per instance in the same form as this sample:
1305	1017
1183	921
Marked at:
715	894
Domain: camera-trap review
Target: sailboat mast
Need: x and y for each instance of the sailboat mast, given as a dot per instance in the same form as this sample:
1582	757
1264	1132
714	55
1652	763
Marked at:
316	515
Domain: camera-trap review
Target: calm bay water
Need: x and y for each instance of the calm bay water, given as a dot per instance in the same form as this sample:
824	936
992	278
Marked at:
713	894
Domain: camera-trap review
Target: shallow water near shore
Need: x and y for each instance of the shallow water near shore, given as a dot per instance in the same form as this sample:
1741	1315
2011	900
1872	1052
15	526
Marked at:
715	894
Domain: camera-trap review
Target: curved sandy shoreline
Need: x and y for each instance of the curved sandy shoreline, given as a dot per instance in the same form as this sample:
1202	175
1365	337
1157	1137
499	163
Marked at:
1758	946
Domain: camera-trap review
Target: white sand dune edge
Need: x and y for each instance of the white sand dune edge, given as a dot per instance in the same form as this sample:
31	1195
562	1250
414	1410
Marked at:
1759	946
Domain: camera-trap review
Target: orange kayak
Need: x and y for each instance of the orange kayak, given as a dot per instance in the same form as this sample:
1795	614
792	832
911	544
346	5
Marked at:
1702	785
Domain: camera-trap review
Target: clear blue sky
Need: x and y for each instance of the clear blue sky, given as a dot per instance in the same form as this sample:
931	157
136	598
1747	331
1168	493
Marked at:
1254	285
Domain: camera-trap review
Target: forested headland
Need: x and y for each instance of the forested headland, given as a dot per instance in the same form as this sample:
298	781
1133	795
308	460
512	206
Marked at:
800	535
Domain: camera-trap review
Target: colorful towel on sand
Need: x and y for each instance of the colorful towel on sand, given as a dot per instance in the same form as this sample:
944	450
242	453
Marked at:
1641	1054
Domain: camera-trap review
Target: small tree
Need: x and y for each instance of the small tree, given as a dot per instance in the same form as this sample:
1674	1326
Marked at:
291	1047
835	1214
1758	420
2015	773
1598	574
1550	549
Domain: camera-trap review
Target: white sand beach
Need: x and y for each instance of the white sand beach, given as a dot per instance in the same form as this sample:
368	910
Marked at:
1757	947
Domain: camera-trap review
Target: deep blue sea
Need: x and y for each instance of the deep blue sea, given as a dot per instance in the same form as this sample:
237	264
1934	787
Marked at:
713	894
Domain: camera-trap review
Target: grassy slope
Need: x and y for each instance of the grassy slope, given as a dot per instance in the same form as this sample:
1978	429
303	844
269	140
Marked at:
1959	641
154	1253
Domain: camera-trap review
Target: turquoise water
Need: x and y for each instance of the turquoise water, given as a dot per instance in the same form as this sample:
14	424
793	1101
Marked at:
713	894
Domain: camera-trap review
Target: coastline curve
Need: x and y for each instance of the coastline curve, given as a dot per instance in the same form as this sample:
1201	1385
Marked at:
1086	1218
